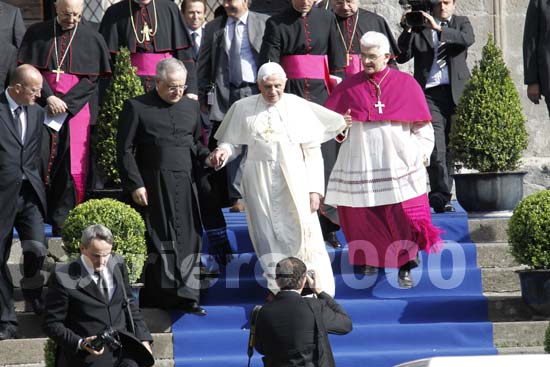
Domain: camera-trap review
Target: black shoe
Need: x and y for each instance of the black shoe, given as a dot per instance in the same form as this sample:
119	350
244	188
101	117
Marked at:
438	204
332	240
449	208
367	270
404	278
194	308
35	305
8	332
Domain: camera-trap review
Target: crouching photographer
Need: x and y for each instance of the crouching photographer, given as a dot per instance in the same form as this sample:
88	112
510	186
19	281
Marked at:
293	330
89	313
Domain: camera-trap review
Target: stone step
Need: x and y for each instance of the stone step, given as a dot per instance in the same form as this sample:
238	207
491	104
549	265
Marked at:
489	227
31	351
519	334
510	307
499	280
521	350
495	255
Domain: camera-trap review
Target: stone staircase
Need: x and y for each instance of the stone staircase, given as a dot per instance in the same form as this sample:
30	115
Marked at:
515	328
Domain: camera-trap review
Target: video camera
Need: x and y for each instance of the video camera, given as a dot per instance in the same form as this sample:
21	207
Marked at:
414	19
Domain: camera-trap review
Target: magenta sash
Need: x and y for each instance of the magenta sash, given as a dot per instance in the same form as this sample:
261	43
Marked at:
79	128
307	67
355	65
146	63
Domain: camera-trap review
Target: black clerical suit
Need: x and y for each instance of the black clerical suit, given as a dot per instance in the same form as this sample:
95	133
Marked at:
442	99
76	309
287	333
536	47
12	27
158	147
22	203
168	34
355	26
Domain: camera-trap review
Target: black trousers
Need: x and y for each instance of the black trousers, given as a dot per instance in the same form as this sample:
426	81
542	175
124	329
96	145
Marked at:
29	223
442	107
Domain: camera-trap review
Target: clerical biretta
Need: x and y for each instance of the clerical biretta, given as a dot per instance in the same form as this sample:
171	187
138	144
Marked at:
283	176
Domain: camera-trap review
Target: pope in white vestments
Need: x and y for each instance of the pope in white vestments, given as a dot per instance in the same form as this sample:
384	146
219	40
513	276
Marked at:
283	176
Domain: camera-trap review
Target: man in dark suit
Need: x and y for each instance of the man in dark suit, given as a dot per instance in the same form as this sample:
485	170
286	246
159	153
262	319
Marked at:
439	50
536	51
223	80
22	196
293	330
88	296
12	28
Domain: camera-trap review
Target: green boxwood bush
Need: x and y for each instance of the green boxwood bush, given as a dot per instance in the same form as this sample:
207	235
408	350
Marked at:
124	222
125	84
489	133
529	231
49	353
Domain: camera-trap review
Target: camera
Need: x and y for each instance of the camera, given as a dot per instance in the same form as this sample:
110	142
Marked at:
414	19
108	337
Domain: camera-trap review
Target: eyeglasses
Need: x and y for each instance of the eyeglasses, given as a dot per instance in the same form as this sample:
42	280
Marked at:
177	88
34	91
371	57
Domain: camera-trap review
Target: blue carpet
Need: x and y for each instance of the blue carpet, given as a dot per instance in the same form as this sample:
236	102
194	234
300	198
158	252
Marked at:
444	314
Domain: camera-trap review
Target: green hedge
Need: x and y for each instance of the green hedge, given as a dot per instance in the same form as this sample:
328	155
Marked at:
124	222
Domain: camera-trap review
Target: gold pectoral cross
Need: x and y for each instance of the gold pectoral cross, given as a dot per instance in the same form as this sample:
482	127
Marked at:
147	32
268	133
57	72
347	58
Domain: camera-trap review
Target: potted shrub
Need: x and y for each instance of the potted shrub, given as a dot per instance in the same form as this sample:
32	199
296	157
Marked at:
124	222
125	84
529	238
489	136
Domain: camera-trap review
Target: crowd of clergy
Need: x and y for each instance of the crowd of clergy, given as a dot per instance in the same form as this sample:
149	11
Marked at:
293	111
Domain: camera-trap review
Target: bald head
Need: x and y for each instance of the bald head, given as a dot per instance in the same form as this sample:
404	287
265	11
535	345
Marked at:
25	85
69	13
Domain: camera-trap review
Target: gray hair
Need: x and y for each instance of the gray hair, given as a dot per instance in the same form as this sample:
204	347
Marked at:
96	232
169	65
376	40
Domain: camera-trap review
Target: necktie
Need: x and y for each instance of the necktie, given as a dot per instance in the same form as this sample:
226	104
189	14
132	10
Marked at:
102	285
235	76
194	35
17	121
442	50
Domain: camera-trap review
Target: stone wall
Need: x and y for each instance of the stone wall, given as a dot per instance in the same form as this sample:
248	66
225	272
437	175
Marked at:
505	19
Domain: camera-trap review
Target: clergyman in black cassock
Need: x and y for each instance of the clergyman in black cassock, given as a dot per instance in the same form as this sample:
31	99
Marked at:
163	128
353	22
151	30
310	33
72	56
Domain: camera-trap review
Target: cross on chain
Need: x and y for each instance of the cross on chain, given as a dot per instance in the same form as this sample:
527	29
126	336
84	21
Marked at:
380	105
57	72
147	32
